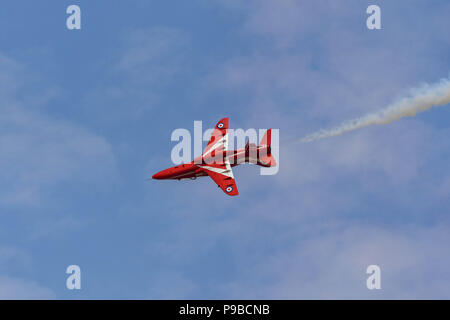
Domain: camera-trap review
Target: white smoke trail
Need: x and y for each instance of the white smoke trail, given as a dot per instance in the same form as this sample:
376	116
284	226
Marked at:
420	100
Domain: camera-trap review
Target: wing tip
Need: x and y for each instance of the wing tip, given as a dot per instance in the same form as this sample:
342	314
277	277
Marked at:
223	123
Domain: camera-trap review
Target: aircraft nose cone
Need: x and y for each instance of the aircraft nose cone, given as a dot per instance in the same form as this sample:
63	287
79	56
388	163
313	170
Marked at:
159	175
165	174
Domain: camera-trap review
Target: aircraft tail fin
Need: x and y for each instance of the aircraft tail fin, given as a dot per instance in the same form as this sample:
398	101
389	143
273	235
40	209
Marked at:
266	140
267	159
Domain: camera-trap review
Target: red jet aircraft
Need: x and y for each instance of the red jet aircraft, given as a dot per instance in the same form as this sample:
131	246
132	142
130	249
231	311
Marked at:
216	160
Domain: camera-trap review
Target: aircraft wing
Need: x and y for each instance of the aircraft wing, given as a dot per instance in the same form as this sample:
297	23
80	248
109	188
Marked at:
218	140
223	176
220	171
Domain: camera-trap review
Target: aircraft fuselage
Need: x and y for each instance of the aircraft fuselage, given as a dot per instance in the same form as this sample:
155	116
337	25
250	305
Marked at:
250	154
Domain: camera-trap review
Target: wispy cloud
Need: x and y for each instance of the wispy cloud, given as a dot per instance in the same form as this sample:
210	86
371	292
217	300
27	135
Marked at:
14	260
40	152
19	289
147	61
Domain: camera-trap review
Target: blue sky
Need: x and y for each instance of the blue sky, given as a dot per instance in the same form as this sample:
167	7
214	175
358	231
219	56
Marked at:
86	116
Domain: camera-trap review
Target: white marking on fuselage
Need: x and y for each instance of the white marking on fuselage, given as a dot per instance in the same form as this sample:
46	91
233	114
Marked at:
226	172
